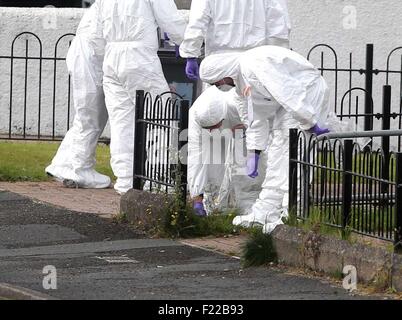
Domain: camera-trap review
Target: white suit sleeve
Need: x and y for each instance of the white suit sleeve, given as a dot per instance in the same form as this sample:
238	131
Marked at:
278	23
238	102
169	19
200	17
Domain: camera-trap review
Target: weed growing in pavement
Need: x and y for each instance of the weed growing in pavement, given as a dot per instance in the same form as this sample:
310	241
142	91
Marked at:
258	250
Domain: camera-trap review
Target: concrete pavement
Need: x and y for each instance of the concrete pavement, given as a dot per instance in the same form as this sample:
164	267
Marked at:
104	202
93	258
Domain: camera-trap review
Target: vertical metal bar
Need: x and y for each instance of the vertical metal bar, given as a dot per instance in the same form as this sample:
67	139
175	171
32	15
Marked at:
25	87
347	183
166	138
400	109
139	141
322	63
385	141
355	185
69	95
368	119
54	95
183	126
40	94
293	174
398	206
68	104
339	181
359	166
350	81
391	199
11	92
148	113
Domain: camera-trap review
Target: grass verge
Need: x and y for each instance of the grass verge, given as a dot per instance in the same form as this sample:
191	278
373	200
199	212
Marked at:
26	161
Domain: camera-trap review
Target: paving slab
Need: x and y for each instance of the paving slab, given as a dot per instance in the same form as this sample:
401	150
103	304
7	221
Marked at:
104	202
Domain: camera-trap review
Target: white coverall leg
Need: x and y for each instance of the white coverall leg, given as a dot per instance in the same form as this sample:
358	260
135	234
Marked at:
271	205
76	156
120	90
131	64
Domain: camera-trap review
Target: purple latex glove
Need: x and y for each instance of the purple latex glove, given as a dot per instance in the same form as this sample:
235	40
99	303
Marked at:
199	209
192	69
252	164
166	36
318	131
177	49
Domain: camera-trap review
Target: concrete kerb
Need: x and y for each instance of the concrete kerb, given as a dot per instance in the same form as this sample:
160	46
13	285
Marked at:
144	209
374	265
11	292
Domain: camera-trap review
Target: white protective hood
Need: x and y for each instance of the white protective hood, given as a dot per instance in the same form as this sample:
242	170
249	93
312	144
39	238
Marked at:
219	66
213	110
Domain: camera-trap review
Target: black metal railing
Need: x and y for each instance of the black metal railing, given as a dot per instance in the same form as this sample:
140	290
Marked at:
39	90
344	184
38	103
161	125
350	82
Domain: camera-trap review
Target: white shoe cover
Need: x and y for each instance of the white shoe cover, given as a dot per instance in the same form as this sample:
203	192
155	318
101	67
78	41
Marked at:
58	173
87	179
246	221
123	185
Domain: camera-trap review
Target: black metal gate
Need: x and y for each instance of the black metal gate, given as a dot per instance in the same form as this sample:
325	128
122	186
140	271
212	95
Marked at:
161	125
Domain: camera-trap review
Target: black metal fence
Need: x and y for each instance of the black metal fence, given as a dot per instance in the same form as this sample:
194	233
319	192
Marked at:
345	185
38	106
39	93
161	125
350	82
339	182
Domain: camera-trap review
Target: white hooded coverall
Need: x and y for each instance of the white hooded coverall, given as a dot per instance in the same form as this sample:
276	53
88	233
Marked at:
287	90
215	173
132	63
75	159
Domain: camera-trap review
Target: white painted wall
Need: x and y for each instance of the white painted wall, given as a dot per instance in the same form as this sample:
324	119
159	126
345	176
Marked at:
314	21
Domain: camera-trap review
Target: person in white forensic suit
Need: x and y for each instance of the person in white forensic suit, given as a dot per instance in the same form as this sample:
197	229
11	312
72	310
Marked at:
131	63
281	86
76	157
232	26
216	154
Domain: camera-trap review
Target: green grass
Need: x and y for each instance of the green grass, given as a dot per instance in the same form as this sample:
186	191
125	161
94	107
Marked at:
181	222
216	225
26	161
367	164
318	221
365	220
259	249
